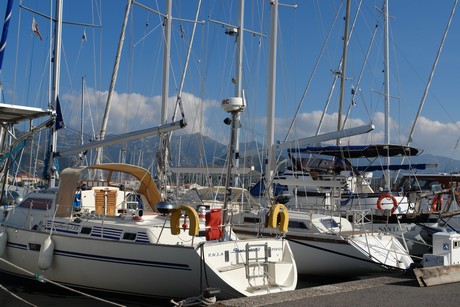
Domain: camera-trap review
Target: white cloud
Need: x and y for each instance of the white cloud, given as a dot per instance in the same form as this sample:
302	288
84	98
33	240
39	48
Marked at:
130	112
437	138
133	111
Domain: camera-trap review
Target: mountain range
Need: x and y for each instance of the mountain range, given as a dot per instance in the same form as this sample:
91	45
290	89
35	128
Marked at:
188	151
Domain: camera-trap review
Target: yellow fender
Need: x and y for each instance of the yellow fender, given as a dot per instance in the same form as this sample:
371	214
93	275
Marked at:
273	217
192	216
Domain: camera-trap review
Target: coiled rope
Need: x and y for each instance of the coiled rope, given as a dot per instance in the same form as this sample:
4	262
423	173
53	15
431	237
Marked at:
197	300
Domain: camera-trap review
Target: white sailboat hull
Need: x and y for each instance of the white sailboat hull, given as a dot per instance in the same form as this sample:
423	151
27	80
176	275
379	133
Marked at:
367	215
340	257
326	245
409	234
107	245
170	271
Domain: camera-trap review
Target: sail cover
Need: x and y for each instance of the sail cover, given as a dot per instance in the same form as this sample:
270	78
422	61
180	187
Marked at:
359	151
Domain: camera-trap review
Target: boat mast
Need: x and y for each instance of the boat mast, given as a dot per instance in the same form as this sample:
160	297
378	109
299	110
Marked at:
98	158
56	60
270	162
3	133
238	84
166	60
164	147
435	64
428	85
238	31
387	91
181	86
82	108
342	73
82	118
234	106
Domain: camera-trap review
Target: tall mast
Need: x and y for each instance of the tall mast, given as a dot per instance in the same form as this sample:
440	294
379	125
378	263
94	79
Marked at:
238	82
82	118
166	60
435	64
270	162
82	111
387	90
56	59
113	82
342	73
164	147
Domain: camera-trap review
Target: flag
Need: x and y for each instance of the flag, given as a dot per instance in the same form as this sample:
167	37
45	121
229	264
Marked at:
354	103
35	28
59	118
6	25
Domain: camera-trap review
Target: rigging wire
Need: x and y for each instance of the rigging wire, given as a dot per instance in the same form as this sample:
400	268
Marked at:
357	88
310	79
338	71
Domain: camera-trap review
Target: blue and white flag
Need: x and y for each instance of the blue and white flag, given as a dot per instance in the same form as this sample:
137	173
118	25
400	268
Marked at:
5	31
59	118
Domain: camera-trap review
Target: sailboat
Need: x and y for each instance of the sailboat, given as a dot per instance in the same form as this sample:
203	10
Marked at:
326	178
323	244
11	142
114	233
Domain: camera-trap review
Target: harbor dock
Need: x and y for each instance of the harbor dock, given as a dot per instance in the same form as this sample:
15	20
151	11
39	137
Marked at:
394	290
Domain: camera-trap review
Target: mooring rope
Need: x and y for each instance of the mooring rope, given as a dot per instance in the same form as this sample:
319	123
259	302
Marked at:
194	301
17	296
40	278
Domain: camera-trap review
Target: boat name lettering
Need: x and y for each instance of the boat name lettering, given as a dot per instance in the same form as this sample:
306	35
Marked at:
66	227
218	254
396	228
238	250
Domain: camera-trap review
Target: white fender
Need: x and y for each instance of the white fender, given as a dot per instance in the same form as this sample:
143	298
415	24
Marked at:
3	241
45	259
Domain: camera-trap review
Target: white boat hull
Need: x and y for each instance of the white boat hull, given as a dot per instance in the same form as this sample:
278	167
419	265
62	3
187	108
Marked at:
408	233
170	271
337	257
326	245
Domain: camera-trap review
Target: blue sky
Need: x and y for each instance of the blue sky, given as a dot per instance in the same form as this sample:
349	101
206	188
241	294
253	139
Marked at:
416	29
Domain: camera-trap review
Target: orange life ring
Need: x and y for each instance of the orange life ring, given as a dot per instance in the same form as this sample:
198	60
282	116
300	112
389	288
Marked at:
436	203
387	195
